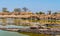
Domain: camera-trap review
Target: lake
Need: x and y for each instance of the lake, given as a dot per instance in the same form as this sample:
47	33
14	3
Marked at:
8	33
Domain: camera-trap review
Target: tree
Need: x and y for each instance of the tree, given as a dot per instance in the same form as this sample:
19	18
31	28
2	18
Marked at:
40	12
37	13
25	9
17	10
49	12
55	13
4	10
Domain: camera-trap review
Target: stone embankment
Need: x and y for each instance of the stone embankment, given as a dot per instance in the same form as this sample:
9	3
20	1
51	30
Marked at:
41	31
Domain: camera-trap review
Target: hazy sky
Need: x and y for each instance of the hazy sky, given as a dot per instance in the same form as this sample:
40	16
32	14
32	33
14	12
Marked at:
33	5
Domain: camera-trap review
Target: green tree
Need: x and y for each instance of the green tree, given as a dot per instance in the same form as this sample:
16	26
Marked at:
25	9
49	12
17	10
40	12
55	13
4	10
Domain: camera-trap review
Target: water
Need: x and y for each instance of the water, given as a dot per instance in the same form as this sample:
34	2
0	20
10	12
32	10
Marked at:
8	33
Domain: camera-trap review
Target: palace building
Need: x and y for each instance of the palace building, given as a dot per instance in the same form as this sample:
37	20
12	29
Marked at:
19	18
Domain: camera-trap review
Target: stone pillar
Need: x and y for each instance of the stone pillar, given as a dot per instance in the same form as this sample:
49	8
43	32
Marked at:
4	21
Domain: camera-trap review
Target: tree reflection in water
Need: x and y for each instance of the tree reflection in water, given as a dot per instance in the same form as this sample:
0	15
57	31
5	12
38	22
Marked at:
33	34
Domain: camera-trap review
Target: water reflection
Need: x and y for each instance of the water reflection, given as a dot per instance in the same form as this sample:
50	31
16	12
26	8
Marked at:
8	33
33	34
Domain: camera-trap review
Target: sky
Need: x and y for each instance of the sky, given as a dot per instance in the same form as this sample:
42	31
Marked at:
32	5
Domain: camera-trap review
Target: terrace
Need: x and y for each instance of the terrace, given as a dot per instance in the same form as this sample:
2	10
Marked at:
18	17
